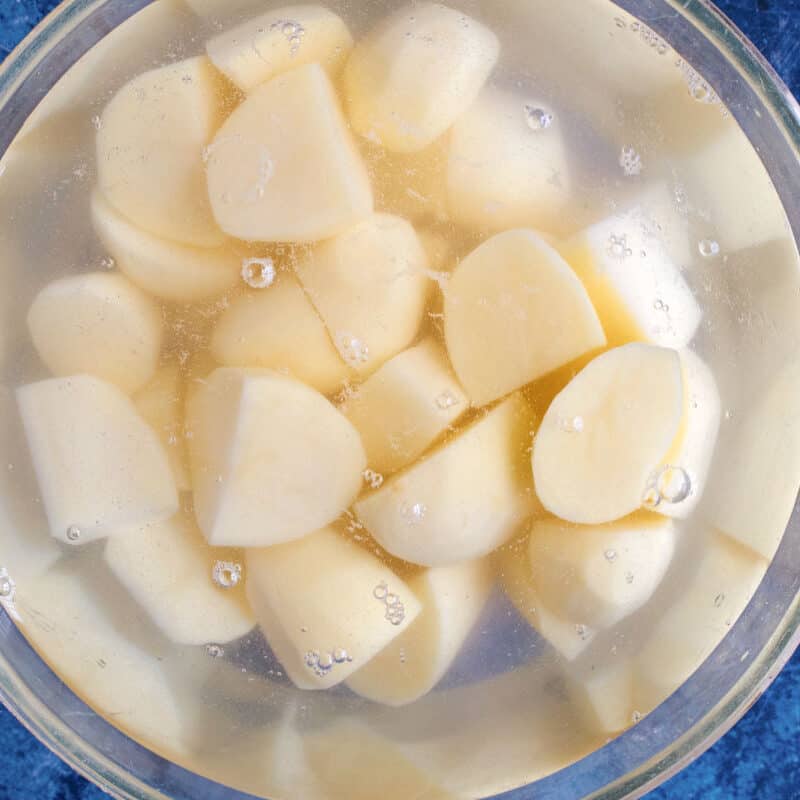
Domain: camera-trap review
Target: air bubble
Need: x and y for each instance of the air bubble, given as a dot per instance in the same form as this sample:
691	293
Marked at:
73	533
651	498
7	585
571	425
719	600
97	123
258	273
620	23
636	717
446	400
674	484
373	479
226	574
660	305
413	514
618	246
708	248
537	118
380	591
107	262
630	161
628	577
582	631
610	555
340	655
215	650
353	350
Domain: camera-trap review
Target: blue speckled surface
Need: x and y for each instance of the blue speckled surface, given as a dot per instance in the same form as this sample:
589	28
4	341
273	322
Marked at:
759	758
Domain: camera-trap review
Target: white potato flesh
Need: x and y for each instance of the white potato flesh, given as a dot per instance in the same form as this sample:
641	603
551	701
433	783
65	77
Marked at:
101	468
370	285
600	574
515	311
631	264
150	147
462	501
271	459
326	606
605	435
603	695
452	599
279	40
167	568
298	178
529	186
414	74
98	323
405	406
689	630
438	249
169	270
279	328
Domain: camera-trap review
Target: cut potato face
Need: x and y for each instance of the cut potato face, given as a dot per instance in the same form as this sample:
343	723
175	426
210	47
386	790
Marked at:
598	575
462	501
603	694
284	38
370	287
452	599
279	328
515	311
326	606
405	406
100	467
272	460
297	179
150	146
98	323
409	80
605	435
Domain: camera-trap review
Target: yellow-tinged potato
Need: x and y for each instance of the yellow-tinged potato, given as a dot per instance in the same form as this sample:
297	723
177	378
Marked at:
452	599
279	40
370	286
326	606
277	327
167	568
414	74
298	178
98	323
405	406
605	435
600	574
172	271
603	694
271	459
100	467
438	249
462	501
515	311
528	185
150	147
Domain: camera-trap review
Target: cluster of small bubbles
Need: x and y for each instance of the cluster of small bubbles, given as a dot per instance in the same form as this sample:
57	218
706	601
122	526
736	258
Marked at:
402	655
107	262
719	600
660	305
395	610
650	37
446	400
413	513
698	88
618	246
610	554
353	350
620	23
293	31
215	650
322	663
582	631
97	123
537	118
226	574
374	479
258	273
708	248
73	533
636	717
7	585
628	577
571	425
630	161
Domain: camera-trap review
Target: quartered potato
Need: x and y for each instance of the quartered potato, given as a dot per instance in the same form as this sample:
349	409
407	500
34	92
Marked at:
603	694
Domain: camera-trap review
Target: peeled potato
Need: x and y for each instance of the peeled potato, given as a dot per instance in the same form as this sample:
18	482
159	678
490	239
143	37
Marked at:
298	178
413	75
452	599
176	272
463	500
603	694
514	311
437	248
605	435
99	323
150	146
279	40
370	287
100	467
272	460
405	406
598	575
529	186
326	606
278	328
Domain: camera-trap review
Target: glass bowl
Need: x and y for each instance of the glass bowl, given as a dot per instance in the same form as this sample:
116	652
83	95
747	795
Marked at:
705	706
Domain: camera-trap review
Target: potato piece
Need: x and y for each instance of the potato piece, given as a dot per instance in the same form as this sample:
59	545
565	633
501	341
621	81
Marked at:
529	186
452	599
630	265
370	287
405	406
603	694
98	323
598	575
279	40
606	433
409	80
438	249
150	147
514	311
272	460
297	179
100	467
279	328
326	606
175	272
463	500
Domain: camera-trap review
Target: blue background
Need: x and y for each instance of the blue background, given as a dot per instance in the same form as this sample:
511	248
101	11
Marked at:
759	758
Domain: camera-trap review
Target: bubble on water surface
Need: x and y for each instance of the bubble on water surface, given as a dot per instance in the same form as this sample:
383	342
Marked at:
73	533
708	248
630	161
258	273
538	119
292	30
226	574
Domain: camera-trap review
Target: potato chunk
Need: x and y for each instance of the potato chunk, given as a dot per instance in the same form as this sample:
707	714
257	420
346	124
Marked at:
298	178
603	694
514	311
272	460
